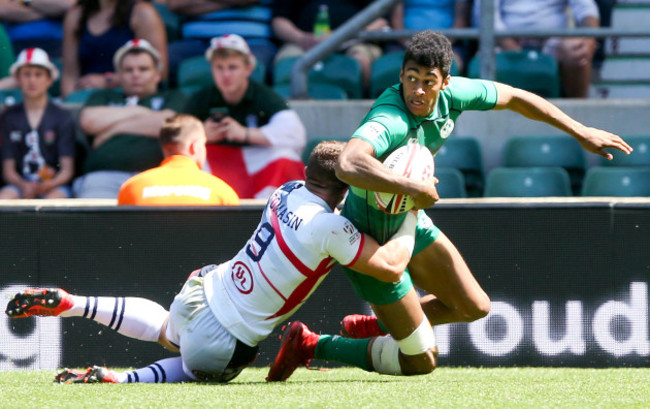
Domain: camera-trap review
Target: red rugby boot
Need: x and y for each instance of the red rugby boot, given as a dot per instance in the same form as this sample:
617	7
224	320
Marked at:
44	302
297	349
96	374
361	326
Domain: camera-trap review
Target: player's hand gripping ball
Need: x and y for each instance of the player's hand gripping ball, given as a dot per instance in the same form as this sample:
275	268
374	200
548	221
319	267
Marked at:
413	161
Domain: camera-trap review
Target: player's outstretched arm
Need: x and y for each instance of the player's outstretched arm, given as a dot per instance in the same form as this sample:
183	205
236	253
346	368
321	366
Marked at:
535	107
387	262
357	166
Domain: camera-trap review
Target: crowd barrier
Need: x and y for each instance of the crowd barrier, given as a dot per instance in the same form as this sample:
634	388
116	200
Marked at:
568	278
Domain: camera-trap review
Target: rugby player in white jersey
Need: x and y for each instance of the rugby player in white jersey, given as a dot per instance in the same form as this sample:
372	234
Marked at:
223	312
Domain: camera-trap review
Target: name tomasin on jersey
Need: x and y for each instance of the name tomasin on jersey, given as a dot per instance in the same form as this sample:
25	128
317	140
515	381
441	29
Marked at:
284	215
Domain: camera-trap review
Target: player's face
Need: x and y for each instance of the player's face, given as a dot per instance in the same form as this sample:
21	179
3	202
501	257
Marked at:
138	75
421	86
231	75
34	81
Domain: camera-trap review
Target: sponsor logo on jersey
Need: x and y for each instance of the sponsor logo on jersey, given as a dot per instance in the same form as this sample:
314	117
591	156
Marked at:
242	277
446	129
199	192
371	130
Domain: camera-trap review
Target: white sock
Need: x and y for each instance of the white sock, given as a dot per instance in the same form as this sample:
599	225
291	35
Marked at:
169	370
133	317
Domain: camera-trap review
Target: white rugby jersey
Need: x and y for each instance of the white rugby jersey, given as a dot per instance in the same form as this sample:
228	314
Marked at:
293	248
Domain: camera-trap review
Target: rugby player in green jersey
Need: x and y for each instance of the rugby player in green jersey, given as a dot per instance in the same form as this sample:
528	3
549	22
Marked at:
423	107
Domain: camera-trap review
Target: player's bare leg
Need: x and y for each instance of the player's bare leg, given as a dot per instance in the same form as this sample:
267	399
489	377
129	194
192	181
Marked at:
401	319
455	295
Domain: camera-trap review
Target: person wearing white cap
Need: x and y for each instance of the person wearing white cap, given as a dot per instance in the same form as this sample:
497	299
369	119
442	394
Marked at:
38	137
269	136
123	123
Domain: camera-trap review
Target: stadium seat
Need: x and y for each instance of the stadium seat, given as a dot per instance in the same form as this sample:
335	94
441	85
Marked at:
7	56
559	150
385	72
527	182
248	22
617	181
336	69
464	154
315	91
9	97
79	97
531	70
451	183
197	71
251	22
313	141
639	157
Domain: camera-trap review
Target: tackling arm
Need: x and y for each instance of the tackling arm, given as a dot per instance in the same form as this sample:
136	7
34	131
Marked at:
388	262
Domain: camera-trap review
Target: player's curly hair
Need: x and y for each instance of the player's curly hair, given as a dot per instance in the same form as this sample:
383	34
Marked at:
430	49
321	166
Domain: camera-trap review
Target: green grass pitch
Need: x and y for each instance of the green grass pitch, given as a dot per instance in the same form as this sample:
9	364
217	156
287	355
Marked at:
354	388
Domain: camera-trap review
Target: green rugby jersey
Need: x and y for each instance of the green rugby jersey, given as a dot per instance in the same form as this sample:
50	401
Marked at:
389	124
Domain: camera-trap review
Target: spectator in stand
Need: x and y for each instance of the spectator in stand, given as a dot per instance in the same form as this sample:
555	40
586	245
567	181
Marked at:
179	180
433	14
38	137
124	124
574	54
95	29
197	12
35	23
293	23
255	140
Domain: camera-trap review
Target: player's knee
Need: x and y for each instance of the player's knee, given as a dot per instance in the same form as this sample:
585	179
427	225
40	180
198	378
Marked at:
477	309
417	350
420	364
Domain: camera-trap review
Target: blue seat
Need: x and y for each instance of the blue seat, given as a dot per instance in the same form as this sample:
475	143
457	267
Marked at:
197	71
527	69
336	69
253	23
315	91
464	154
247	21
639	157
559	150
527	182
617	181
451	183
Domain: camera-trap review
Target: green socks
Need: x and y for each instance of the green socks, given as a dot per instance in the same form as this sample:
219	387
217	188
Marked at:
353	352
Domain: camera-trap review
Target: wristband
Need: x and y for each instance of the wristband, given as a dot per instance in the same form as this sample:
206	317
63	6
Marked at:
247	140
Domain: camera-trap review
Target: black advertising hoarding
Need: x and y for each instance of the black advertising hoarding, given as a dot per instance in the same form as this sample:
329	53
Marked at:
568	282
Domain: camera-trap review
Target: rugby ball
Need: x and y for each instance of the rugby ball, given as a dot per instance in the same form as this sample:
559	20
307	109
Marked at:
413	161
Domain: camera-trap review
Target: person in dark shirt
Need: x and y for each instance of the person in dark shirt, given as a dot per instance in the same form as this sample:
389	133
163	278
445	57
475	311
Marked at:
293	24
38	137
